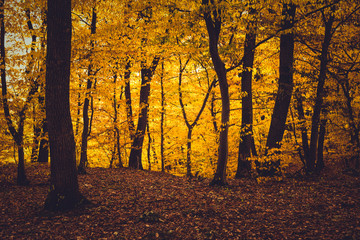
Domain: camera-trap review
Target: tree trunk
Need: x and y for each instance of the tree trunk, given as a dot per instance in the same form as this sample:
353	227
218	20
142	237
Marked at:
303	128
64	189
162	120
129	113
320	157
21	176
315	121
136	148
246	134
85	132
213	26
116	153
283	97
43	156
188	153
91	74
35	144
149	145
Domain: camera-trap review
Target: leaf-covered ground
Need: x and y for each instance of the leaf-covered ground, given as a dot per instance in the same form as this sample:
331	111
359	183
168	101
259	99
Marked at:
130	204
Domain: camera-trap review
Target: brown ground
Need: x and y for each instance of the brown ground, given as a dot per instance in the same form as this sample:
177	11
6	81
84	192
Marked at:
129	204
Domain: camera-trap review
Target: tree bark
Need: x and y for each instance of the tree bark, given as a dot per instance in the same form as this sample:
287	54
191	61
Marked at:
162	120
315	121
137	144
91	74
213	26
246	134
64	189
35	143
129	113
116	153
320	157
43	156
303	128
283	97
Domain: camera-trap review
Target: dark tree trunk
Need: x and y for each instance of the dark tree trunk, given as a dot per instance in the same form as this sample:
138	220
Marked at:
64	189
283	97
315	121
78	111
246	134
35	144
116	153
213	25
43	156
129	113
137	144
44	145
149	145
86	129
21	176
85	132
320	157
162	120
188	153
303	128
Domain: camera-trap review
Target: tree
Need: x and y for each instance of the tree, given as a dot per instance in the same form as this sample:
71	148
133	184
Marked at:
284	93
64	191
147	72
213	19
246	134
313	152
86	121
190	126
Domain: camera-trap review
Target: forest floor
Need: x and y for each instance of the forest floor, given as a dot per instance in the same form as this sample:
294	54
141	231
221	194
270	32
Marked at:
131	204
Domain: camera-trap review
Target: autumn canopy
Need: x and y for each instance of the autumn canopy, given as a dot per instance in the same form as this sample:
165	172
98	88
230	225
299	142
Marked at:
206	88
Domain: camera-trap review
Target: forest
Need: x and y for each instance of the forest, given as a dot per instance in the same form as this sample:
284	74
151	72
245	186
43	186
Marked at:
223	95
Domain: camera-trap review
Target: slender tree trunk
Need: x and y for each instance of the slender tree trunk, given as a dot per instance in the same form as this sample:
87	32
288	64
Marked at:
303	128
246	134
162	120
315	121
213	112
149	146
91	74
21	176
129	113
137	145
64	189
188	153
85	133
213	25
320	157
43	156
35	144
78	111
283	97
116	154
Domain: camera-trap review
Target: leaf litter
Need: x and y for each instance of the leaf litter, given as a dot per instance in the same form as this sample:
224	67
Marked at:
133	204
